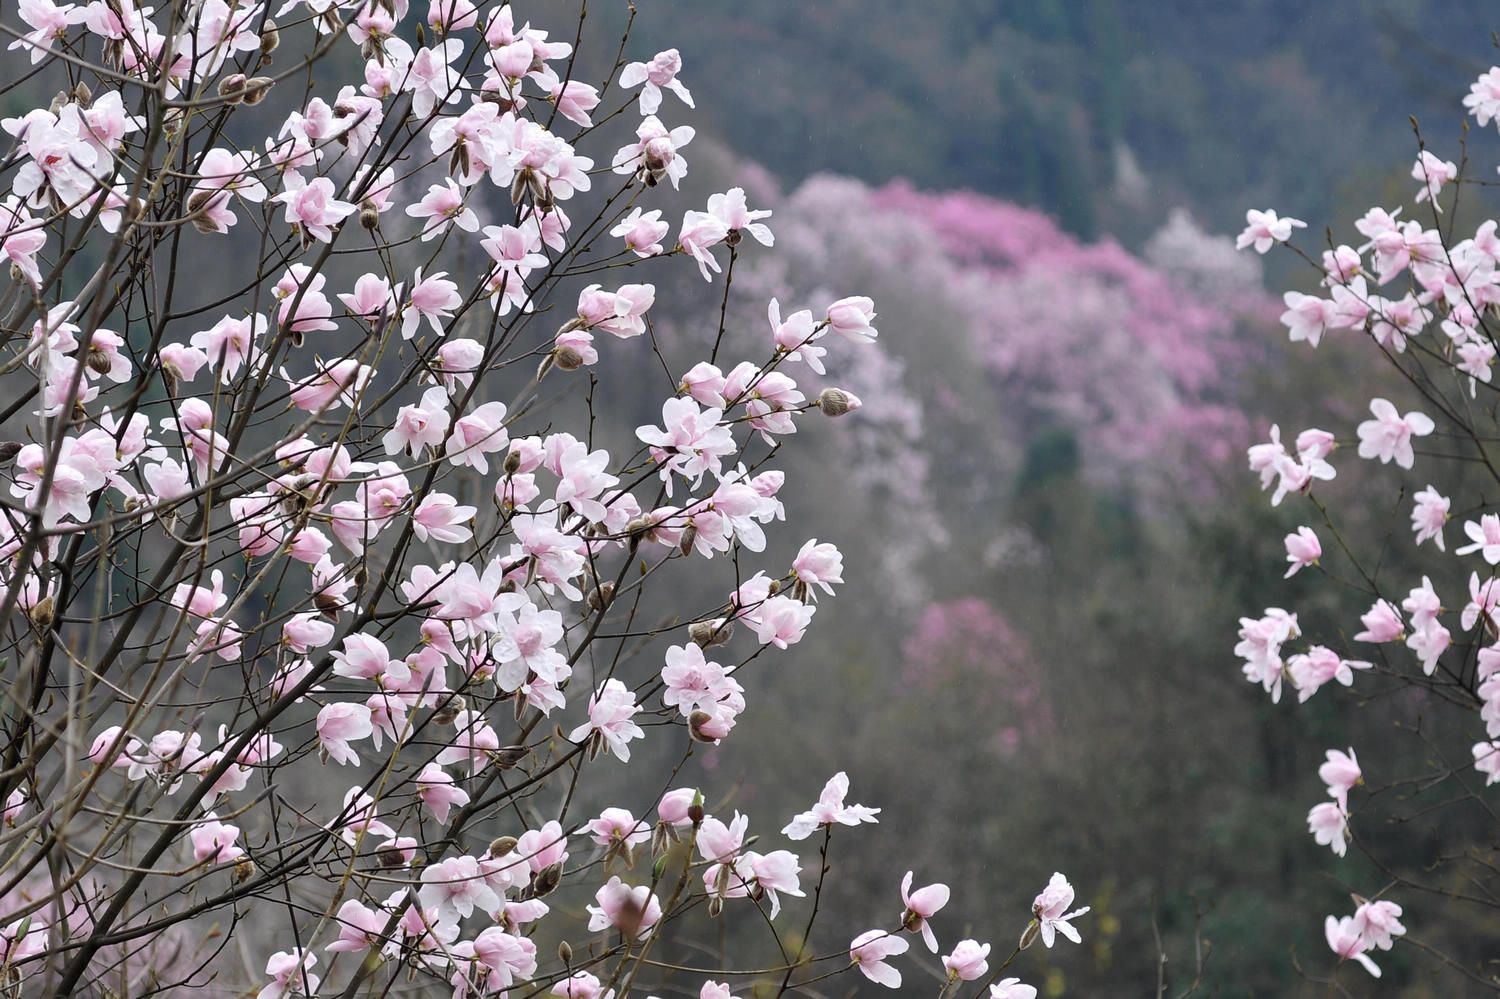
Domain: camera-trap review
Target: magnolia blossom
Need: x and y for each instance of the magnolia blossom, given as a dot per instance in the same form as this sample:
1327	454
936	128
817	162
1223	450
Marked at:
1345	941
1264	228
655	76
968	961
829	810
1429	515
868	952
1388	436
611	708
922	905
1485	536
1329	825
634	911
1302	549
1049	910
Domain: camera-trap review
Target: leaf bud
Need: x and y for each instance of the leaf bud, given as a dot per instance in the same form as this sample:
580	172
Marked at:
9	450
82	95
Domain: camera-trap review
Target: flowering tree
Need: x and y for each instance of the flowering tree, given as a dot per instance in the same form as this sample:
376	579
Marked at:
1421	293
323	635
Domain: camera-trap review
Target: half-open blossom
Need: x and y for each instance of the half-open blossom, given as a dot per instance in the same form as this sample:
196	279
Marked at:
1049	909
870	949
1302	549
921	905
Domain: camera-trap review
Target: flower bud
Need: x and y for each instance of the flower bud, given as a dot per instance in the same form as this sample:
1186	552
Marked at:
270	38
244	871
232	88
1029	937
390	857
59	101
518	187
502	846
256	89
696	721
689	536
41	612
567	358
564	953
82	95
369	215
600	596
710	634
507	757
9	450
449	711
547	880
837	402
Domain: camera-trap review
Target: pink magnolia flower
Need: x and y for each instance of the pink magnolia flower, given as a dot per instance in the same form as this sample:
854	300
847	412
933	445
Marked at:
314	207
654	154
1377	923
1388	436
730	208
438	791
1382	623
870	949
1329	825
1429	515
1483	99
830	809
699	233
675	805
1302	549
1341	772
213	841
582	985
611	708
1485	536
341	723
634	911
1433	173
1345	941
617	826
851	318
922	905
1264	228
1012	988
1487	760
455	888
691	441
290	975
968	961
360	927
1049	907
655	76
1320	665
574	100
443	206
642	232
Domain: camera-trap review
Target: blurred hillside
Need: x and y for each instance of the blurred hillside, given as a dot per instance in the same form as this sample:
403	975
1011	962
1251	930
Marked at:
1103	113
